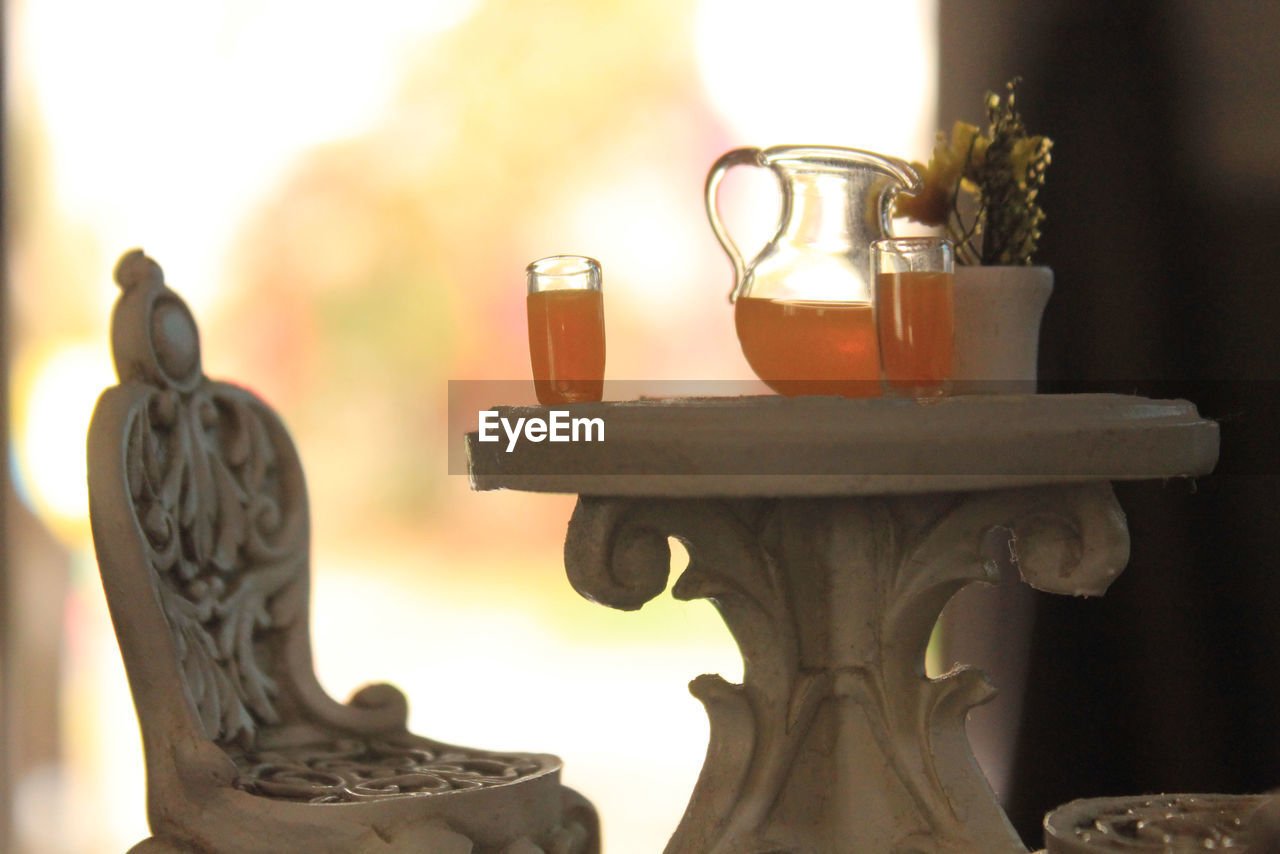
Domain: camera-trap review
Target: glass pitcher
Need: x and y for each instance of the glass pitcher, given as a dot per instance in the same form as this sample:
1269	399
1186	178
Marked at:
804	306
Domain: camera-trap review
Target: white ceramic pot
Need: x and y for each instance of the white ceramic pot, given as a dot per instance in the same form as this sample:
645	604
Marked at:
998	311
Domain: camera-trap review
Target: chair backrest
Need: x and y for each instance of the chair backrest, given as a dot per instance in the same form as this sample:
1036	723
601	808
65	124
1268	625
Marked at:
199	515
200	524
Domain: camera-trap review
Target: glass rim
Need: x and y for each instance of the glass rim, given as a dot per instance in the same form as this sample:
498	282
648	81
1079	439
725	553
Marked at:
914	243
563	273
563	265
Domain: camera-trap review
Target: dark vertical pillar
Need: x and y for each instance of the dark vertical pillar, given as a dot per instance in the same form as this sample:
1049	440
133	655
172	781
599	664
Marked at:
1163	230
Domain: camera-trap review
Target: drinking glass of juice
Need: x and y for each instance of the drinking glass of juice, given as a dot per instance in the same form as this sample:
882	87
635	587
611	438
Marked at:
566	329
915	315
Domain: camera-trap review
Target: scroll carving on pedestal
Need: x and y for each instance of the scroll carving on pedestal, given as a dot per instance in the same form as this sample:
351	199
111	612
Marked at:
836	741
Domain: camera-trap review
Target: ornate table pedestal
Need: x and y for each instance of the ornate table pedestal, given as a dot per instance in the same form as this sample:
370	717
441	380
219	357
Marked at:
829	534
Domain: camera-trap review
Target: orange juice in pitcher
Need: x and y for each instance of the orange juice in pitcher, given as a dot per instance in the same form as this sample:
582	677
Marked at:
805	311
810	346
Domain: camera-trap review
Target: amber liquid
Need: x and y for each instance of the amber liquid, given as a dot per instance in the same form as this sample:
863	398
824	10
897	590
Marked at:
917	331
811	347
566	345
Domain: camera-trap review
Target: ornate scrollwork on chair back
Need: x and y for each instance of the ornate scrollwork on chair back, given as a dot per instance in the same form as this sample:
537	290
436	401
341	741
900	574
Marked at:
200	524
218	497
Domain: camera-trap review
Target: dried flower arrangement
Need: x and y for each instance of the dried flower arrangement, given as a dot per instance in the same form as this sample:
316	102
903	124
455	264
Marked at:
983	188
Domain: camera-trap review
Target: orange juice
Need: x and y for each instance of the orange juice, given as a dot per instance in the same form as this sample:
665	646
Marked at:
917	330
810	346
566	345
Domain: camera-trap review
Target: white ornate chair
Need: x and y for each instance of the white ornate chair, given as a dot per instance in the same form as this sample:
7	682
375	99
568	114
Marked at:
201	529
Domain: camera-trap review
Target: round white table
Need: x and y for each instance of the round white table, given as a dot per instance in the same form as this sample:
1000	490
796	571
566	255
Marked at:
829	534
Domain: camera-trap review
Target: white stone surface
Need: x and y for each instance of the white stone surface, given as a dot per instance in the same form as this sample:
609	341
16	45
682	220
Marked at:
835	741
775	446
830	533
201	529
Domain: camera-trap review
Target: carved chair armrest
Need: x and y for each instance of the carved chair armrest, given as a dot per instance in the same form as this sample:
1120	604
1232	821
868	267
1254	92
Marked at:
380	707
372	709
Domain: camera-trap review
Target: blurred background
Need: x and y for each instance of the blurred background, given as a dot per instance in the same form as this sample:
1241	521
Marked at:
347	196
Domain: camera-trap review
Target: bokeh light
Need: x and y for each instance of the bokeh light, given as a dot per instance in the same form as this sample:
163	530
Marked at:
862	72
55	392
347	196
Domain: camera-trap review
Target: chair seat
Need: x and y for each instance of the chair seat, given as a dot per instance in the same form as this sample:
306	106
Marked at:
345	770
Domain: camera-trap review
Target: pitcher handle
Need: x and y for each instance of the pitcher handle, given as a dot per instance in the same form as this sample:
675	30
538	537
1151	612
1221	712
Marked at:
737	157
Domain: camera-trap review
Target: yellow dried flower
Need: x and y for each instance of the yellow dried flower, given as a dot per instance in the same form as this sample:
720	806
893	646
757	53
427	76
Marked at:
1024	156
954	160
999	173
932	203
968	143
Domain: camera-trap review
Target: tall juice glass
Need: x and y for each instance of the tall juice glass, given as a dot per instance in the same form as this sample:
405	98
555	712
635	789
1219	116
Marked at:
566	329
915	314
